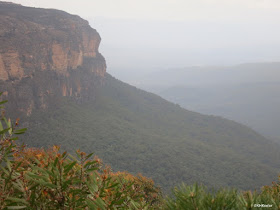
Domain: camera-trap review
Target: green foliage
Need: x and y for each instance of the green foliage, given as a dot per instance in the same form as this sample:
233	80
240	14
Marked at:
46	179
199	197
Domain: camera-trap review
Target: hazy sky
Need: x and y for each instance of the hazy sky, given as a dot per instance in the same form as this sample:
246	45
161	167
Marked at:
235	10
156	34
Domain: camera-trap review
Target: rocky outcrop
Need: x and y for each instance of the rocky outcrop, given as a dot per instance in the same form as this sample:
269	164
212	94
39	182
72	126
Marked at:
44	53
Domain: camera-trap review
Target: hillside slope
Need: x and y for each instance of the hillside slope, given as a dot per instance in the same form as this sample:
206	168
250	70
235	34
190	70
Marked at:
255	105
140	132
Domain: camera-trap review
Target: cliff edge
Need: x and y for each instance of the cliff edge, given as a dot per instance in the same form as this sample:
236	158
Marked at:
44	53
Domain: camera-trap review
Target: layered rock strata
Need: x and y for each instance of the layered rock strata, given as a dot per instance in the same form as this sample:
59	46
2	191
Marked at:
45	53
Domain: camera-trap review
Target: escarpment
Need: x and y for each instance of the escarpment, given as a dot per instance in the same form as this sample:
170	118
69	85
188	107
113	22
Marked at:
46	53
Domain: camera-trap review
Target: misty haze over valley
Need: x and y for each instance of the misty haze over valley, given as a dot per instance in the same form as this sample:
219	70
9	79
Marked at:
137	47
229	69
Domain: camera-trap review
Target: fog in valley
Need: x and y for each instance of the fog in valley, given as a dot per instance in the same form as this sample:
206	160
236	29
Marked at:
135	48
229	69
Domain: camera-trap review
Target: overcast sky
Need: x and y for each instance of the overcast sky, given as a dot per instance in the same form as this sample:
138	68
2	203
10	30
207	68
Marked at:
156	34
221	10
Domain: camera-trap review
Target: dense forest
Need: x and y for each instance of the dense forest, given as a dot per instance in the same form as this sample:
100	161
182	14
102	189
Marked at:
139	132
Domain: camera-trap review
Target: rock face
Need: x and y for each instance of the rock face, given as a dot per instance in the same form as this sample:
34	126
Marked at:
45	53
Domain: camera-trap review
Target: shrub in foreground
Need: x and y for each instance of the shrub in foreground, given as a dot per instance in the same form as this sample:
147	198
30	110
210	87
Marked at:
199	197
46	179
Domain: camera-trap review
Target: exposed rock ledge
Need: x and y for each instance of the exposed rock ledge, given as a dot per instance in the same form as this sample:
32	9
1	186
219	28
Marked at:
46	52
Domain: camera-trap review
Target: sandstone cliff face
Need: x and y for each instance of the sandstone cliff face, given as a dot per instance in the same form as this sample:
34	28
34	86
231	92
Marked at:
44	53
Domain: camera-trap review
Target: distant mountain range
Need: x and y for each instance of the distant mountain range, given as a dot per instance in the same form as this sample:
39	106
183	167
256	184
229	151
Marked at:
247	93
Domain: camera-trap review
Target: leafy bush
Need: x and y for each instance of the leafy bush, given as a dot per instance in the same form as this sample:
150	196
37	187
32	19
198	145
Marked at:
199	197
